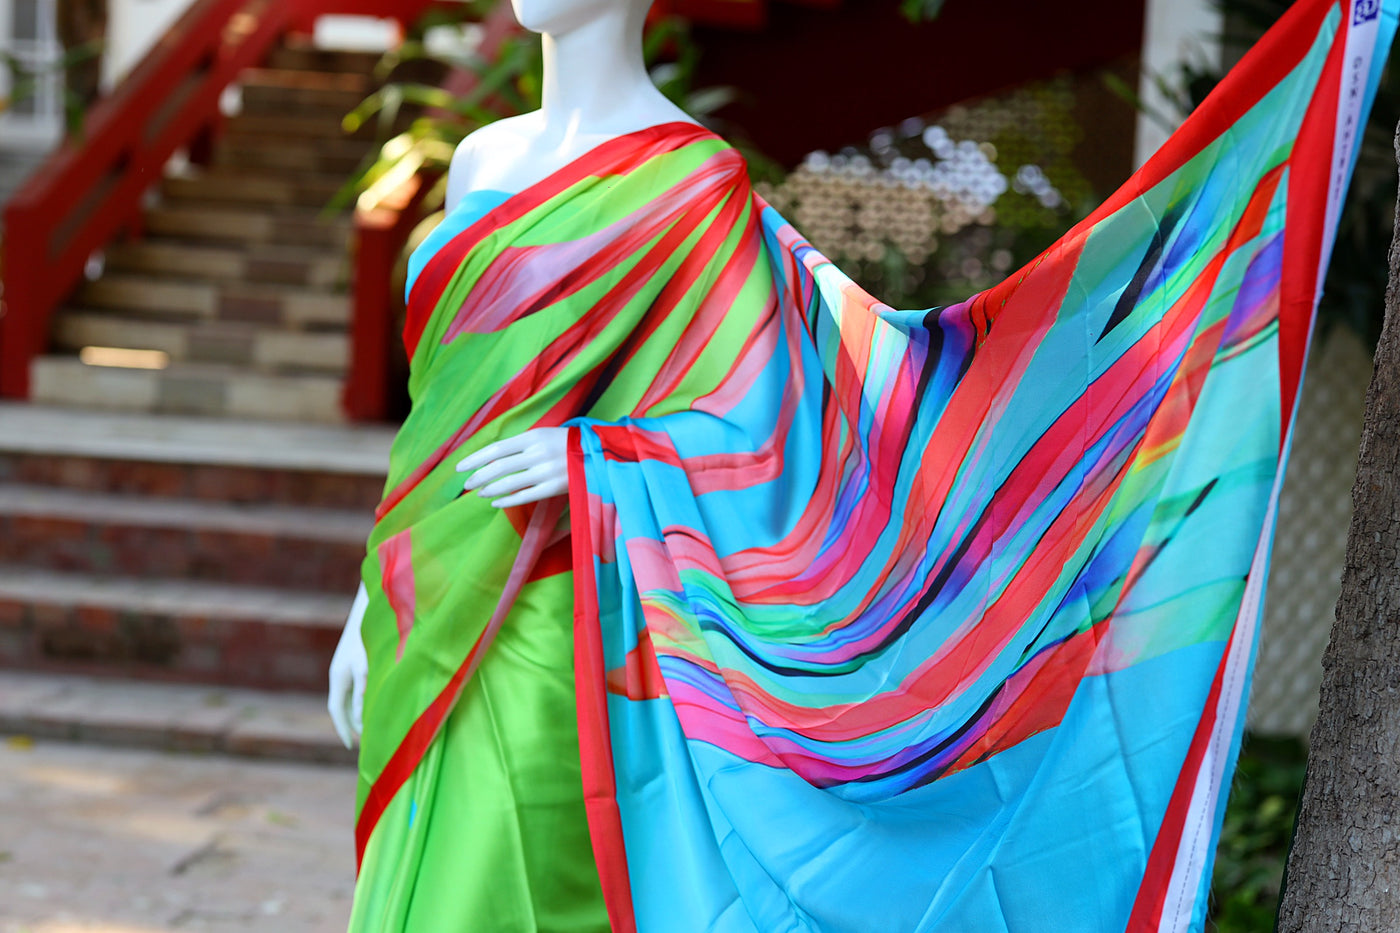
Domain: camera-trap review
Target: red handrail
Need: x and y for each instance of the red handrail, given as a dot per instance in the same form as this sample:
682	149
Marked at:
92	188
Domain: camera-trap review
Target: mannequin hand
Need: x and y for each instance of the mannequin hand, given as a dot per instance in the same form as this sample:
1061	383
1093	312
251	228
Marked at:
349	670
526	468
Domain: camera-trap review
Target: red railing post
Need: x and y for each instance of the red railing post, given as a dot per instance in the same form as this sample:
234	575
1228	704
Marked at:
22	336
366	393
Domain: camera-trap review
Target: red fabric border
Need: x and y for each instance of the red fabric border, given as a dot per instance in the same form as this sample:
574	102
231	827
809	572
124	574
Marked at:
1152	893
1309	179
406	757
590	685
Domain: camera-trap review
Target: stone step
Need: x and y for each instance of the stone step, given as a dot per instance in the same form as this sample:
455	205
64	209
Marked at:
312	156
301	57
272	189
72	530
176	630
264	349
222	223
324	268
208	459
283	725
273	305
187	389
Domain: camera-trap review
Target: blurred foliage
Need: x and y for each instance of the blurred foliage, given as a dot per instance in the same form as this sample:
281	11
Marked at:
25	81
420	123
1354	293
916	10
1256	834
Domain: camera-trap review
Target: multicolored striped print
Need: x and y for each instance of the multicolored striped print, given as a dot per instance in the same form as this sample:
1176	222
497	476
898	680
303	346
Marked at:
885	620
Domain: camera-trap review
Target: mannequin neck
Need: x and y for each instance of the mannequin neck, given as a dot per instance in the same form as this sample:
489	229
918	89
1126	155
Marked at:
595	74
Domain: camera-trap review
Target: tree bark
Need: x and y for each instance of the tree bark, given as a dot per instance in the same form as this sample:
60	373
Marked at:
1343	873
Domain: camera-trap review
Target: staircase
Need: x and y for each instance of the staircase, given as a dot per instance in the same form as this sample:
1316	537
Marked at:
181	522
234	302
181	549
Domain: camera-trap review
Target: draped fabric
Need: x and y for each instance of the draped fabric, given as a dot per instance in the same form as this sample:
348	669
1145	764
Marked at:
883	620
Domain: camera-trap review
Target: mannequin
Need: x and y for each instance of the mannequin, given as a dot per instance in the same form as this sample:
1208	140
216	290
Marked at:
596	87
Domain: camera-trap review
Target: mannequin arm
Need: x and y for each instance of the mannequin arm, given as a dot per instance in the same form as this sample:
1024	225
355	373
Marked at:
349	670
529	467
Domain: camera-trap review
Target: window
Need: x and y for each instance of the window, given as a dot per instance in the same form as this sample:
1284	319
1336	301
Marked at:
29	35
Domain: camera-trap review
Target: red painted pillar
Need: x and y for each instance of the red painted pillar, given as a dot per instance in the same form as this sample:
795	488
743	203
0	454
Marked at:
22	327
366	393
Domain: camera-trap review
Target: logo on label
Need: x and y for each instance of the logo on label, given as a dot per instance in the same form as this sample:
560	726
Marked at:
1365	11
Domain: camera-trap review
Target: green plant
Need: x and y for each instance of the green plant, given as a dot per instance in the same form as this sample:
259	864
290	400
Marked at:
25	80
1255	836
916	10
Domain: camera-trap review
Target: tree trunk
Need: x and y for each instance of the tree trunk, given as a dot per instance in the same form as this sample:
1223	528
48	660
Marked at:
1344	869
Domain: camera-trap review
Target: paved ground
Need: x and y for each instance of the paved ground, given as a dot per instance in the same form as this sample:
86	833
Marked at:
103	840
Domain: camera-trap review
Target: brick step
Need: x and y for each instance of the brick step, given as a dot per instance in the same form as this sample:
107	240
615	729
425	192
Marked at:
313	156
263	349
273	305
324	268
273	189
221	223
301	57
294	81
329	109
283	725
311	94
187	389
224	460
168	630
295	547
298	130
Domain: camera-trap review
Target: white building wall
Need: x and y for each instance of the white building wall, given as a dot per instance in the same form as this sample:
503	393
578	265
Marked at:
1176	31
133	26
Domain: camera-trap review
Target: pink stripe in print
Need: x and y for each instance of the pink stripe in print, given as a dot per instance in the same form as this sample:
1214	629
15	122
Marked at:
396	577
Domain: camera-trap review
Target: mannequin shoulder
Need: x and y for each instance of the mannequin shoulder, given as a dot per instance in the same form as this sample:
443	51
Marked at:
503	141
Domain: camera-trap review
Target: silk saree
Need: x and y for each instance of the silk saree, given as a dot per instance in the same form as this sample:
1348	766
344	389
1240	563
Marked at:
857	619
